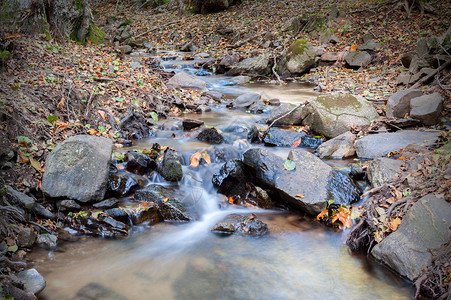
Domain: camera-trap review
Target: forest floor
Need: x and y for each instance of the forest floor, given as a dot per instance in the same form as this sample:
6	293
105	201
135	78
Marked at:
52	89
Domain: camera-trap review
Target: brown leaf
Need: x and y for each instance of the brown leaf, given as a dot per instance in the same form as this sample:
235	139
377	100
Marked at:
395	223
102	114
322	214
23	158
61	103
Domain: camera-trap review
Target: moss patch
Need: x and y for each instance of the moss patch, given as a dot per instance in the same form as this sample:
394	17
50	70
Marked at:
95	35
340	101
5	54
297	48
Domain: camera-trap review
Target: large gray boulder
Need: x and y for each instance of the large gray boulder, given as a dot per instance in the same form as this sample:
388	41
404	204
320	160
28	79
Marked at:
254	66
358	59
382	170
298	58
183	80
78	168
332	115
308	186
293	116
339	147
379	145
427	108
398	104
424	229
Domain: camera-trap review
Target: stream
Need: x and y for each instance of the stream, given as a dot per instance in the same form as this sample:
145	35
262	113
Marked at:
298	259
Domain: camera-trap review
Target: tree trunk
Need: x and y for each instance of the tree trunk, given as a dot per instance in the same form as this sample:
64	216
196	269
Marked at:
70	19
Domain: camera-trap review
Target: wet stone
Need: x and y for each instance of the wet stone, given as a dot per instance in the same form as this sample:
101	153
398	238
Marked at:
249	225
117	213
211	136
189	124
68	205
47	241
26	238
230	179
42	212
138	162
108	203
121	184
172	166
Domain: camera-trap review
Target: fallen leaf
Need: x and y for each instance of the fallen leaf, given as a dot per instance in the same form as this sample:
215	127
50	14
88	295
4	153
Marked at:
322	214
299	196
395	223
23	158
60	104
194	160
102	114
230	200
35	164
289	165
296	143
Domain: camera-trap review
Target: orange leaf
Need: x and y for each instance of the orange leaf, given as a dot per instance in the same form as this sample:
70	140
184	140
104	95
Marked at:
206	157
12	36
395	223
344	218
92	131
61	104
194	160
353	47
166	199
296	143
230	200
299	196
322	214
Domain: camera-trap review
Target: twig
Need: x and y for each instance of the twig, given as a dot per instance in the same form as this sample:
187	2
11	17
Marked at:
283	116
88	105
430	75
395	204
41	227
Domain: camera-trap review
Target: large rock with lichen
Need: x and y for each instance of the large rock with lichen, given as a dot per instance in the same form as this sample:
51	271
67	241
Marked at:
298	58
332	115
78	168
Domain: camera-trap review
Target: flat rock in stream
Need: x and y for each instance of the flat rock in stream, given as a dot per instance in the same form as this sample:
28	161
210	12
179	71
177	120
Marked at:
249	225
308	186
254	66
379	145
283	138
211	136
183	80
424	229
78	168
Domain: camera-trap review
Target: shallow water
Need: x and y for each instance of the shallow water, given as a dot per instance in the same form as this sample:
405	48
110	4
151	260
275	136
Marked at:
298	259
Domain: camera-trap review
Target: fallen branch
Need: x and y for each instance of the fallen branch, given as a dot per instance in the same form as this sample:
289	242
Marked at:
430	75
275	72
283	116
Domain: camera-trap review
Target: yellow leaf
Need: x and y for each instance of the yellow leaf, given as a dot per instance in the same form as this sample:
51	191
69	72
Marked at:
299	196
35	164
166	199
92	131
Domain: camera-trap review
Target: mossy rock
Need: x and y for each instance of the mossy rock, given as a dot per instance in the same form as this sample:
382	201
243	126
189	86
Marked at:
95	35
298	58
4	54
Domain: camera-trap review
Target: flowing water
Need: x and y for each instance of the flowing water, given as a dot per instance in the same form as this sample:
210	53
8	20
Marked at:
298	259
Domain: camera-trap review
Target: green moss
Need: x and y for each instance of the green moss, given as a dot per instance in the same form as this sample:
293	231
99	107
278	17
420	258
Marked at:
95	35
5	54
297	48
341	101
